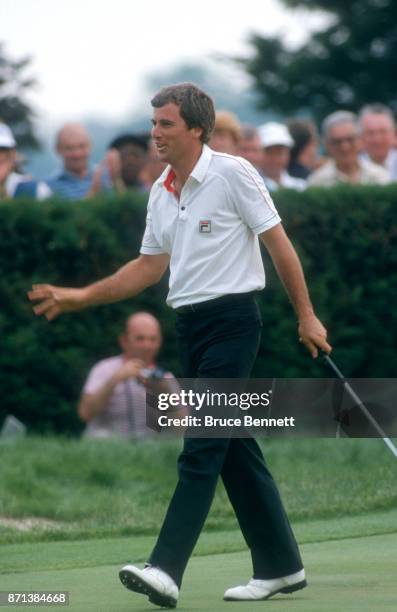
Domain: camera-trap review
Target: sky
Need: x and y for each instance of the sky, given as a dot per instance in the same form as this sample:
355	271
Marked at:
91	57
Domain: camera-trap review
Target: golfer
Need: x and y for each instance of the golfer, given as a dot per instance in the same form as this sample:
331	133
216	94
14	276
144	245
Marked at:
205	214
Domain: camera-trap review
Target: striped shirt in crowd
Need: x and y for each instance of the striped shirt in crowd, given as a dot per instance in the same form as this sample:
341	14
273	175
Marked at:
125	413
72	187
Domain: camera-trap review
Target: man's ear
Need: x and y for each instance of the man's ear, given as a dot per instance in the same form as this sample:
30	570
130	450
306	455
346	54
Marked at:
12	155
197	132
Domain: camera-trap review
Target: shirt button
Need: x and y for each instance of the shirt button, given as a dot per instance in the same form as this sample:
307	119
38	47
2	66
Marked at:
183	207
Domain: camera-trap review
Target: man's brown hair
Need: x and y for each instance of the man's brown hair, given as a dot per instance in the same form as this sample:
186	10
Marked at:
195	106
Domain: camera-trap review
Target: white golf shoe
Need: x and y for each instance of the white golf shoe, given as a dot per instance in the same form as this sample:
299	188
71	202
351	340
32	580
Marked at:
257	590
151	581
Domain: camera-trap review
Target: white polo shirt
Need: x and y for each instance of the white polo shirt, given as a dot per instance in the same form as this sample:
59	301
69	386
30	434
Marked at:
211	234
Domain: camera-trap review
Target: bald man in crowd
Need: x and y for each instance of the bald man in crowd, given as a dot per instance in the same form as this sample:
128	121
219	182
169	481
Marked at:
78	179
113	401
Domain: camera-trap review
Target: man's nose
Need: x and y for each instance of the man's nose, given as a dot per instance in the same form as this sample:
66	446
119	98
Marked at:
346	145
155	132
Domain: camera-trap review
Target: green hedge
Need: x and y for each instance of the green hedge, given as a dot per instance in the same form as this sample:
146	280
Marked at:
346	238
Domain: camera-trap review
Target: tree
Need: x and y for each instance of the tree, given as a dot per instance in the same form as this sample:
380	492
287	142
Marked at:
352	62
15	111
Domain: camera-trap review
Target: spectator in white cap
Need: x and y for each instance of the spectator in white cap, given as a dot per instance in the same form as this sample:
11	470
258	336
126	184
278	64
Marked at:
276	143
13	184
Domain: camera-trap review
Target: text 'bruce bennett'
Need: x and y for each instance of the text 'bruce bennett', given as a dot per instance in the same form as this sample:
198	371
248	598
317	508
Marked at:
210	421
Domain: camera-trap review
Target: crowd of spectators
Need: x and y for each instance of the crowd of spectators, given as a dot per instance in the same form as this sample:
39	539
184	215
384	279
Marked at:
129	163
357	149
350	148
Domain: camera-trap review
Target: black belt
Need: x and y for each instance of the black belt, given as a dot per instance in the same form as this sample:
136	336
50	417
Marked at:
224	300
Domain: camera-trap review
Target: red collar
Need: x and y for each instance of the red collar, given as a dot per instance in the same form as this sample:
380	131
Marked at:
169	180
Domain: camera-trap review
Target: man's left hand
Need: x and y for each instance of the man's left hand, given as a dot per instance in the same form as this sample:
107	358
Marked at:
313	335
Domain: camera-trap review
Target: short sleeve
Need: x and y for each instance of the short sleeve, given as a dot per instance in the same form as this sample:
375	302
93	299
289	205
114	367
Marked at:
150	246
251	197
99	375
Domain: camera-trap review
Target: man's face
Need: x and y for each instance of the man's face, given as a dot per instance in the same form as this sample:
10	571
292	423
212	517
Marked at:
142	340
343	143
7	163
74	147
133	158
251	149
172	137
275	159
378	136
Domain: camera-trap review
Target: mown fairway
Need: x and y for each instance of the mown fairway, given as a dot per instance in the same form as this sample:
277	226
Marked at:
103	504
353	574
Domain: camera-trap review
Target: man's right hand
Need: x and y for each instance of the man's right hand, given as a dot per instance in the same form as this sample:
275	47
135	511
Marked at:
53	301
113	162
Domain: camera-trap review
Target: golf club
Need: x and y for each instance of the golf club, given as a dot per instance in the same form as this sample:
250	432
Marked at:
331	364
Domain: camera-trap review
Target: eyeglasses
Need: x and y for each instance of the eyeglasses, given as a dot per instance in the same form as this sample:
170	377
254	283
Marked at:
337	142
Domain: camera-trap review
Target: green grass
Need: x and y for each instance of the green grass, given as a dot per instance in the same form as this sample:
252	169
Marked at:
109	488
352	574
108	498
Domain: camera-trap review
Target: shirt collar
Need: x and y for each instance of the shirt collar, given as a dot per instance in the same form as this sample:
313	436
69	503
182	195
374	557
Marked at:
199	171
169	179
362	163
387	163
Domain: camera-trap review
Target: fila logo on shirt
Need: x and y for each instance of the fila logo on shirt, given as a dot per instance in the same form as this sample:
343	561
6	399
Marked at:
204	227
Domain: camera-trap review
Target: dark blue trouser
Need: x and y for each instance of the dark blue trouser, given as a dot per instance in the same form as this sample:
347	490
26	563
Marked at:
221	341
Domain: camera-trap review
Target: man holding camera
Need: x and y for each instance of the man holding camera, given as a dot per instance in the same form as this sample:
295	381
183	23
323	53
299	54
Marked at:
113	401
